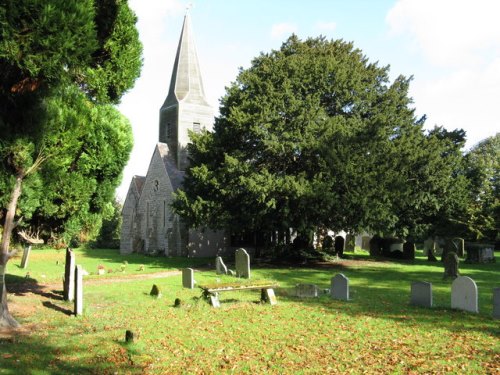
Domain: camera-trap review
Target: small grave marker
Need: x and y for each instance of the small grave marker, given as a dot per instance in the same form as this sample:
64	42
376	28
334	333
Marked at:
188	278
155	291
69	276
339	287
26	255
220	267
129	336
242	263
78	290
421	294
464	294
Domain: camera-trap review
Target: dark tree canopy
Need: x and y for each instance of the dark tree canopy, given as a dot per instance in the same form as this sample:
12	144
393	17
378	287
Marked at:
314	135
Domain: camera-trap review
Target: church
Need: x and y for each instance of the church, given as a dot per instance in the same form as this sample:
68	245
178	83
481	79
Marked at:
149	226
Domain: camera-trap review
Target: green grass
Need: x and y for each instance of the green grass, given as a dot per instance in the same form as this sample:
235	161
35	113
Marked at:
376	332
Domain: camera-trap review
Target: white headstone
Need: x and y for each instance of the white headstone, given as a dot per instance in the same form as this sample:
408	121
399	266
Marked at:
339	287
270	297
306	290
78	290
69	276
421	294
26	255
496	303
242	263
188	278
220	267
464	294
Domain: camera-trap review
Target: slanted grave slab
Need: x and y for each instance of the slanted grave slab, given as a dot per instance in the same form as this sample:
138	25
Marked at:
339	287
421	294
464	294
306	290
188	278
242	263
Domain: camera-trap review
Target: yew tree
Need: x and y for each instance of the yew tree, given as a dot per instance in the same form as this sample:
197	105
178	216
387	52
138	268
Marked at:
314	135
46	47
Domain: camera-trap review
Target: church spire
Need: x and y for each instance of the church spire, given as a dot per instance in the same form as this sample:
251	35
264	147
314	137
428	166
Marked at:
186	107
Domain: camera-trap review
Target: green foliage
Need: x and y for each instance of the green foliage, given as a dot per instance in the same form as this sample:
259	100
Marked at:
314	135
109	234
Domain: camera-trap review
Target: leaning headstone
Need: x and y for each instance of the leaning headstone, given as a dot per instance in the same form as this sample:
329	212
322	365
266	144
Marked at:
220	267
26	255
268	295
242	263
421	294
451	265
69	276
155	291
306	290
78	290
188	278
459	244
339	287
496	303
464	294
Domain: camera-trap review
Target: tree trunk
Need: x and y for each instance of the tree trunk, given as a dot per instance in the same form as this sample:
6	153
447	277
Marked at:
6	320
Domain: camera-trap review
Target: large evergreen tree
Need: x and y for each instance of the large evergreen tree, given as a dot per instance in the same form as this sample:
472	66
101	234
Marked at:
88	49
314	135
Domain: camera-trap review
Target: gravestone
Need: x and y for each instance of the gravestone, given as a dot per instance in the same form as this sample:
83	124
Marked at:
464	294
188	278
78	275
129	336
339	245
155	291
26	255
69	276
267	295
409	250
339	287
496	303
451	266
459	244
242	263
220	267
421	294
306	290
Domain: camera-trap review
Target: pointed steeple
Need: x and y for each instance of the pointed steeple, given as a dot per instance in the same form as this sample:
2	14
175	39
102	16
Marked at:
186	82
186	107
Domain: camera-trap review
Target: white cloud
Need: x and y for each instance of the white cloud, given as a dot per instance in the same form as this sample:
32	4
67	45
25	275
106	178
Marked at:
326	26
449	32
281	30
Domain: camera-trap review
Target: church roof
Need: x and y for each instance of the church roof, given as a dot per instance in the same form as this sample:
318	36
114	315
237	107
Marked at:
138	182
186	83
176	176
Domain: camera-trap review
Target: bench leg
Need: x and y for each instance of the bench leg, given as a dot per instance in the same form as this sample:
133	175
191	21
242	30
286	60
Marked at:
267	295
214	300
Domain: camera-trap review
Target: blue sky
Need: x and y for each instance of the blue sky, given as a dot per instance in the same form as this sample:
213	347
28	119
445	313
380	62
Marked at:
450	47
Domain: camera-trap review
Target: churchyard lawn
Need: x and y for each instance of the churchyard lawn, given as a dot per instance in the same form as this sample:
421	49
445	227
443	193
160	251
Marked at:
377	331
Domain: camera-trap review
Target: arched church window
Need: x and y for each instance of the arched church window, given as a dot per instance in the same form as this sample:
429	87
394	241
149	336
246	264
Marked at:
196	127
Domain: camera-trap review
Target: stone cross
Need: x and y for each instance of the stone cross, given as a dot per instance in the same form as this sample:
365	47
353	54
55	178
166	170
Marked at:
421	294
26	254
464	294
78	290
69	276
306	290
496	303
242	263
339	287
188	278
220	267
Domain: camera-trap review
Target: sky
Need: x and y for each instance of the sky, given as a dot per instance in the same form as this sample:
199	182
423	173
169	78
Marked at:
451	48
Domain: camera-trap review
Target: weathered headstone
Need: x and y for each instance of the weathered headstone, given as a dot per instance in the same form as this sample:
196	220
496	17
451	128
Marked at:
129	336
188	278
242	263
26	255
496	303
339	287
451	265
421	294
409	250
464	294
69	276
155	291
306	290
268	296
459	244
78	275
220	267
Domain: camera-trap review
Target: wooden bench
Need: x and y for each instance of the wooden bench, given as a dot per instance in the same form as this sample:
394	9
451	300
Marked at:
211	292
